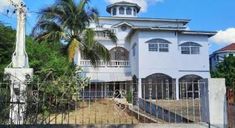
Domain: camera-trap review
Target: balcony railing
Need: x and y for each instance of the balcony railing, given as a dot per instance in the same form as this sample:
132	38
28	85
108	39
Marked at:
111	64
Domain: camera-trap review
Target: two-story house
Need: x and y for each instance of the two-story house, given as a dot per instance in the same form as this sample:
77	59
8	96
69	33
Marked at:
161	53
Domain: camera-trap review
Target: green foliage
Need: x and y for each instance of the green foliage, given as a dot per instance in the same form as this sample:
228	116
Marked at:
129	96
55	80
46	59
7	41
226	69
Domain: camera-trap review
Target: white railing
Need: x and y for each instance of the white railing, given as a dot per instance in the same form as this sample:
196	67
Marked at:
112	63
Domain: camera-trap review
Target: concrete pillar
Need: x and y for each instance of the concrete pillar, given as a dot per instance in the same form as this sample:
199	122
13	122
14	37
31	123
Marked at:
177	89
213	102
139	88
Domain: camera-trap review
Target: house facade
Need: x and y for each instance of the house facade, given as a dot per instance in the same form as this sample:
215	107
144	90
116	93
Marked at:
219	55
162	53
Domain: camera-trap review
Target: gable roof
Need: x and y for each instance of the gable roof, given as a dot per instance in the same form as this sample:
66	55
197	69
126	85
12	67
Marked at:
122	23
230	47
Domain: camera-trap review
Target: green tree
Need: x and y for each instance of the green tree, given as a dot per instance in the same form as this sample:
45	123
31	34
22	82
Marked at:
7	41
47	58
226	69
67	21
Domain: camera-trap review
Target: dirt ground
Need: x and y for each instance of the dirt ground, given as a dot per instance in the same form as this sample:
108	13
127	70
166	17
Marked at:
189	109
96	112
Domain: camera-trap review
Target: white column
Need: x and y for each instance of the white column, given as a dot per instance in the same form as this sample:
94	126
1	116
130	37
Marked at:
139	88
177	89
19	73
125	13
213	102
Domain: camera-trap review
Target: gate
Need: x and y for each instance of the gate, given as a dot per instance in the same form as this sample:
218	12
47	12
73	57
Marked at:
81	103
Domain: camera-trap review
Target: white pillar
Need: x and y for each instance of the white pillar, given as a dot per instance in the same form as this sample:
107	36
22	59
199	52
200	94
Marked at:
139	88
20	57
213	102
19	72
177	89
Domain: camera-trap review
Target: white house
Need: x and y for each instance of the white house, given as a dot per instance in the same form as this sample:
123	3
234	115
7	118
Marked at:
160	52
218	56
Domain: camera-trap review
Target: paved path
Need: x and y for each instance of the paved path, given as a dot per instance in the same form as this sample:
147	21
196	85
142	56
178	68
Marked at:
118	126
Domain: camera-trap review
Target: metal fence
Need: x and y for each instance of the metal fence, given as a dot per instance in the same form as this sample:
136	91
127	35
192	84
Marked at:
231	106
100	103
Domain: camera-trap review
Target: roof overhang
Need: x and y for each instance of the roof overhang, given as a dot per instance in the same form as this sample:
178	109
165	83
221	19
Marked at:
183	21
206	33
176	29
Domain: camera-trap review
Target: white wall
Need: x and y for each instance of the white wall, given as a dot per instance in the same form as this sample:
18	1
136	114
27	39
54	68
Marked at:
145	63
172	63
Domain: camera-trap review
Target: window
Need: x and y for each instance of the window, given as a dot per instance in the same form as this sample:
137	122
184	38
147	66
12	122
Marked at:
114	11
190	48
128	11
163	48
134	50
153	47
134	12
158	45
121	10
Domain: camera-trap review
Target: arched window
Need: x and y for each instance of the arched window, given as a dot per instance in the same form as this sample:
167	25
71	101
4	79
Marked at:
119	53
121	10
190	48
189	86
128	11
159	85
114	11
158	45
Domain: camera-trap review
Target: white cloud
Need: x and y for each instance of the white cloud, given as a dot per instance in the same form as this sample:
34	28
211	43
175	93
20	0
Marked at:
6	3
224	37
142	3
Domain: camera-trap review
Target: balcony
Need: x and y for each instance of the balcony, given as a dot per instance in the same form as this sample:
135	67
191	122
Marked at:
111	64
114	70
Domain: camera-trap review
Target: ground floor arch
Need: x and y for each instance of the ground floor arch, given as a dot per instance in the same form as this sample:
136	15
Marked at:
189	86
158	86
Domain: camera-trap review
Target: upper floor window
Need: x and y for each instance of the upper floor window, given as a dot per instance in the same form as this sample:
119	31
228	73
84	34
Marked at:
163	47
134	50
153	47
119	53
190	48
114	11
128	11
121	10
158	45
135	12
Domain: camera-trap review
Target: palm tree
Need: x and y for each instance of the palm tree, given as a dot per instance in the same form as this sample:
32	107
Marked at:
68	21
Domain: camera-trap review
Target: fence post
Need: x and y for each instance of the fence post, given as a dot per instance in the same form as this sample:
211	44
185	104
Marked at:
213	102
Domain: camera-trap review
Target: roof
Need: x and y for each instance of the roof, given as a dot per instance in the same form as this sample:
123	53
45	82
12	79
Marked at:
184	21
230	47
178	29
108	9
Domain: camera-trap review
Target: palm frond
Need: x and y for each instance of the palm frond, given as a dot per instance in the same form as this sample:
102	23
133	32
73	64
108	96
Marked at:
93	50
47	30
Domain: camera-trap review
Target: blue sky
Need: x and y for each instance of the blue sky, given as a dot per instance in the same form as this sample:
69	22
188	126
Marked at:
209	15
